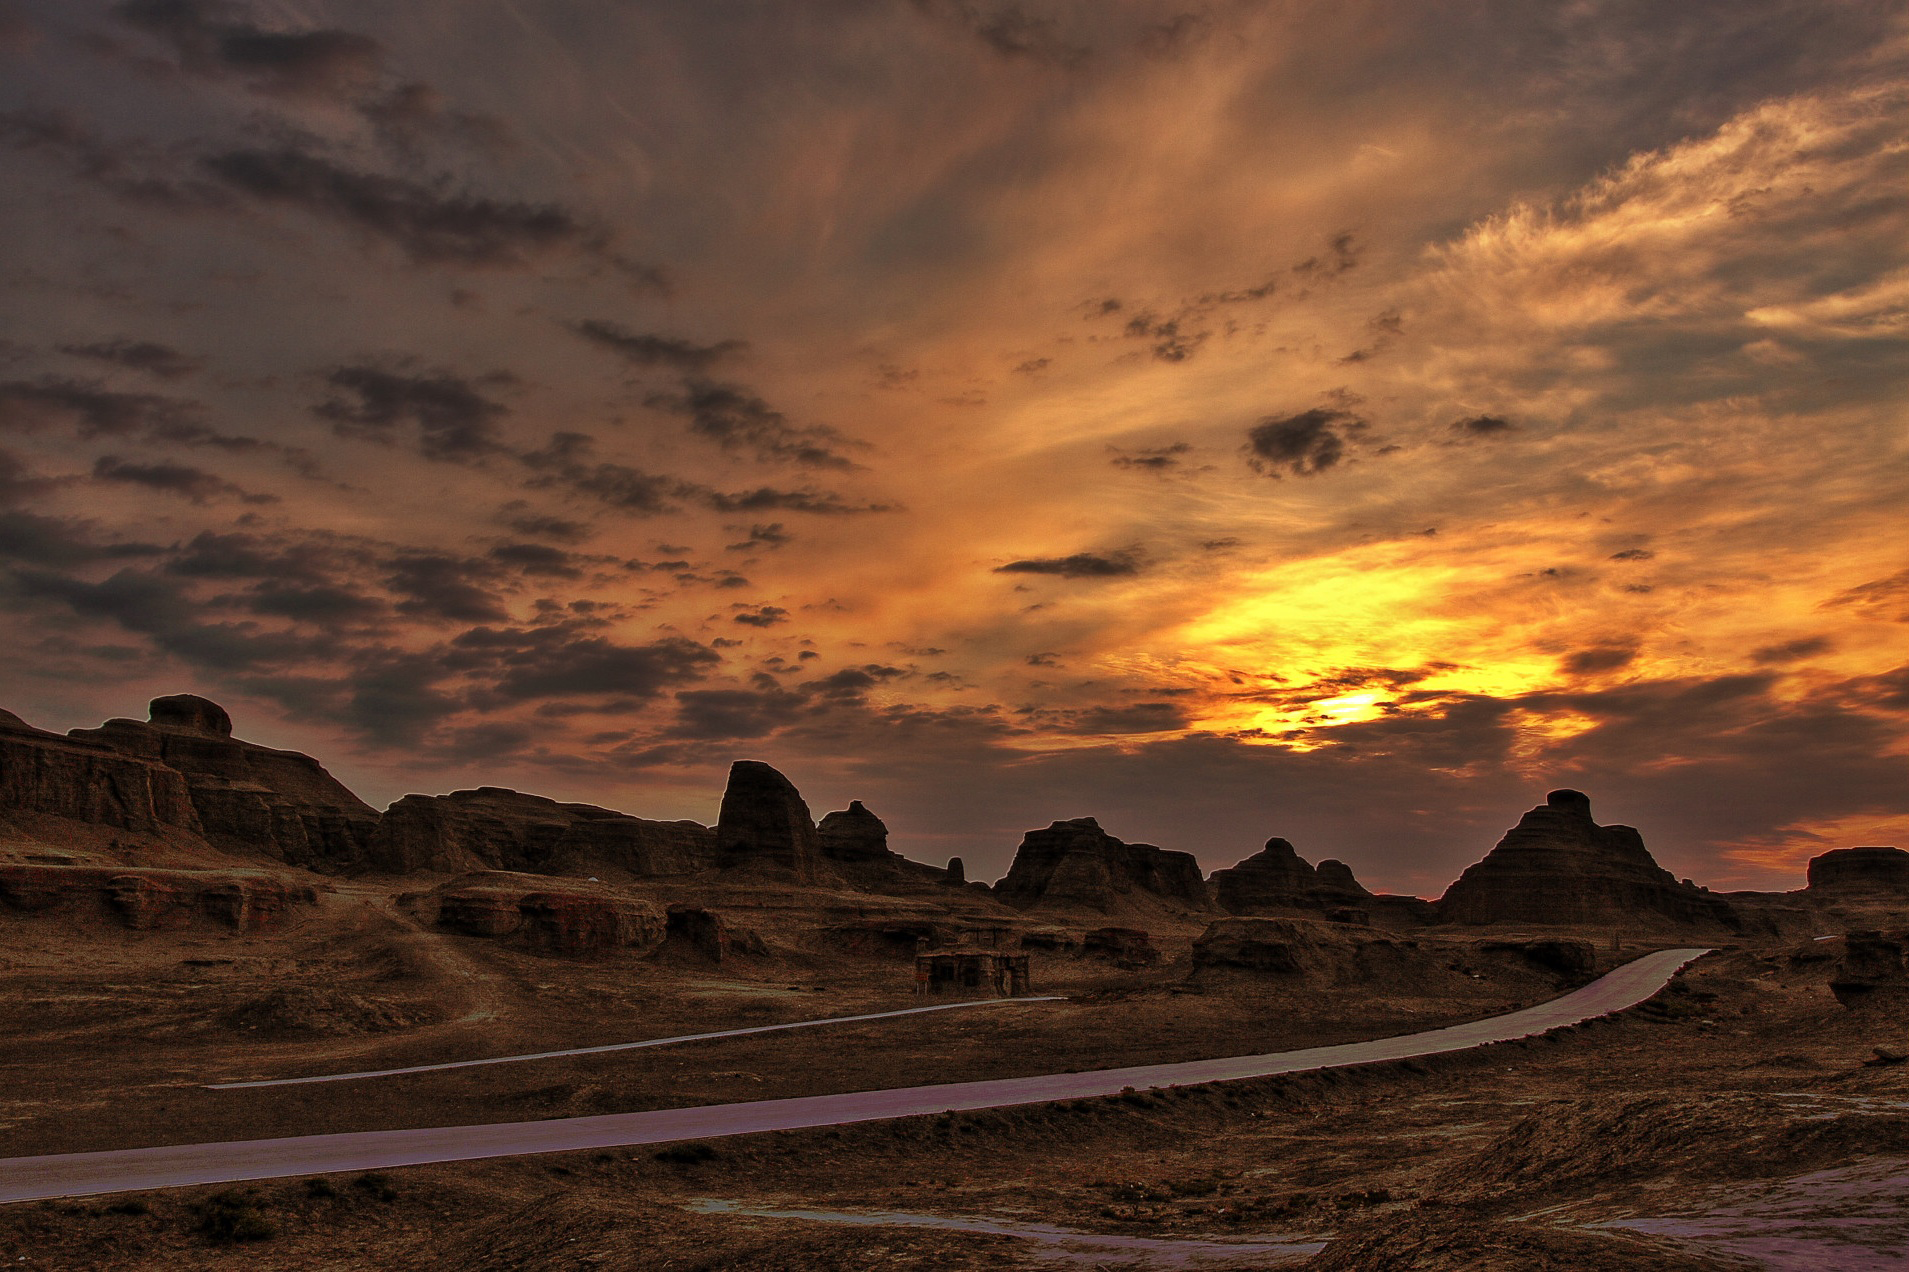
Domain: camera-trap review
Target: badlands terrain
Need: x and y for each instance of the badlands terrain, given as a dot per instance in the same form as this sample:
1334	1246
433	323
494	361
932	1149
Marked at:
181	910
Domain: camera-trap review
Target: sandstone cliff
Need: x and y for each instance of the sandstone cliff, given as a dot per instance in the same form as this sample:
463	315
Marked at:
491	828
1861	873
1278	878
1077	864
1559	867
150	900
249	799
88	781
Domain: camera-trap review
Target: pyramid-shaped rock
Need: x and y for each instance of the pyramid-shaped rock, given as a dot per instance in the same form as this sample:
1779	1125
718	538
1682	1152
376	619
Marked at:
1077	864
1559	867
1278	878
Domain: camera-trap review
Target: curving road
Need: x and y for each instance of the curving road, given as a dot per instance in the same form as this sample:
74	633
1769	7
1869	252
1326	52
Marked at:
136	1169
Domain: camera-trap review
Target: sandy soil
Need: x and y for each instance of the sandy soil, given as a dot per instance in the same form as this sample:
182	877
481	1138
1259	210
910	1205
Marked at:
1729	1123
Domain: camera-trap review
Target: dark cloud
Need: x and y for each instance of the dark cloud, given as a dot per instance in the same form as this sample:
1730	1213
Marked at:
568	463
717	714
210	42
557	662
1633	554
411	112
133	171
1009	31
321	604
1304	445
763	616
769	499
1032	366
1791	650
1884	598
736	419
542	526
27	406
447	588
1155	459
1483	426
1082	565
156	607
148	356
652	350
454	421
19	483
1170	342
239	555
538	559
761	537
853	682
431	225
195	484
1342	254
59	541
1584	662
1138	717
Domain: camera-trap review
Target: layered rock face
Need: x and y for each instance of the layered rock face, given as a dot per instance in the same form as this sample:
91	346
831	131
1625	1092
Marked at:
1076	863
1278	878
1859	872
1558	866
89	781
248	798
563	923
764	824
153	900
1874	970
854	835
491	828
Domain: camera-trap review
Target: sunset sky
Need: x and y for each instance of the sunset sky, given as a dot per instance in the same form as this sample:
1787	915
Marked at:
1342	421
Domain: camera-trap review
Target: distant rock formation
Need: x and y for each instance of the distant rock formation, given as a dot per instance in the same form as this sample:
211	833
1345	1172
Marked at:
1558	866
249	799
152	900
765	825
956	874
558	922
1128	948
1323	952
88	781
1077	864
1874	971
1861	872
491	828
854	835
1278	878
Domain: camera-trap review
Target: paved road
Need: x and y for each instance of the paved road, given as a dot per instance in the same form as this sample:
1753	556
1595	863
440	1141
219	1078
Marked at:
132	1170
623	1046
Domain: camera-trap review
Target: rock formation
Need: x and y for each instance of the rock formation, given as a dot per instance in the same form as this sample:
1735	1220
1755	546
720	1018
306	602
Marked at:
561	922
491	828
1077	864
1278	878
956	874
854	835
152	900
249	799
1128	948
1322	952
87	781
764	825
1558	866
1874	971
1861	872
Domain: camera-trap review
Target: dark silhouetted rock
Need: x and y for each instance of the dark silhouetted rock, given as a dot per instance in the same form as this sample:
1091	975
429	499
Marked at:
1558	866
1570	959
1318	953
1861	872
1124	947
87	781
250	799
1874	971
560	922
496	829
956	874
764	825
853	835
1077	864
151	899
709	935
1278	878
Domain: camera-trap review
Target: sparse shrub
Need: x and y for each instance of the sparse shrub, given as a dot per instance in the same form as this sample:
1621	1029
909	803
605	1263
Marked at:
228	1217
686	1154
377	1185
131	1206
320	1187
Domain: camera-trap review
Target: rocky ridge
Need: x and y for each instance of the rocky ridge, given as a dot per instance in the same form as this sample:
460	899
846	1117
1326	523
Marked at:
1278	878
1077	864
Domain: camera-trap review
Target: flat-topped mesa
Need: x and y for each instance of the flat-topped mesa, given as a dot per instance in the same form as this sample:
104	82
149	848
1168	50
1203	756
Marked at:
1559	867
44	773
1860	872
1278	878
1077	864
249	798
491	828
764	825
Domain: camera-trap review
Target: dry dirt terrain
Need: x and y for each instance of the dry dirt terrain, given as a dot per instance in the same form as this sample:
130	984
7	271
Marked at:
1730	1123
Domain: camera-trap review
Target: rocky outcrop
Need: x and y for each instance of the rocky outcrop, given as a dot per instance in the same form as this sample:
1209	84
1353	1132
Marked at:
1278	878
1558	866
1861	873
1077	864
562	923
249	799
153	900
853	835
765	826
1318	951
1874	971
956	875
1573	961
88	781
704	932
1128	948
491	828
